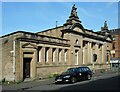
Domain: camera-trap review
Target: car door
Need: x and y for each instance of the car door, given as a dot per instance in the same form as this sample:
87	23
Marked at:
80	73
89	71
85	72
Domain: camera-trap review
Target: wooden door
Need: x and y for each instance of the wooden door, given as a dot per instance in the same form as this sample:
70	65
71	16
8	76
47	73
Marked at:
26	67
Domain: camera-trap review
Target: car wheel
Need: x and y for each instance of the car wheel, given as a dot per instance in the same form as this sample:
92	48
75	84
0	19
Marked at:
88	77
73	79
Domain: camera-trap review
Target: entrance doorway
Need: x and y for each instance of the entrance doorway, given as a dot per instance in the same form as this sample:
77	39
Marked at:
26	67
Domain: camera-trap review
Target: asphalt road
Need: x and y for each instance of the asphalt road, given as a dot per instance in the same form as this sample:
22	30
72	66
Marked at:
102	82
105	82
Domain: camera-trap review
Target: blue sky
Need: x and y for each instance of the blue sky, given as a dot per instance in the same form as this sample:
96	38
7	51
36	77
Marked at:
39	16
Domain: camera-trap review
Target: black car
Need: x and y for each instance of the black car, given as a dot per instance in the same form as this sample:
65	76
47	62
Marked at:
74	74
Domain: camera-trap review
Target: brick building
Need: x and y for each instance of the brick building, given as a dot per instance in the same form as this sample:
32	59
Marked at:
115	52
35	55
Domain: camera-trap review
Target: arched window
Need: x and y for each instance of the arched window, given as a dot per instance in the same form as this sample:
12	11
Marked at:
76	42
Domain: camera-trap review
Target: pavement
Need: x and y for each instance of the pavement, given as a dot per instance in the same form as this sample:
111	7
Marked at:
31	84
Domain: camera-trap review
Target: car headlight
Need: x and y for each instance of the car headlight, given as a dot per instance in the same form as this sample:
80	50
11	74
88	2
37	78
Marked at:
67	76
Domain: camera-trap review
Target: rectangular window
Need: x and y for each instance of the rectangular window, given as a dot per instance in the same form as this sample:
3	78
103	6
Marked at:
46	54
59	55
100	46
113	46
113	55
76	57
53	55
39	54
84	44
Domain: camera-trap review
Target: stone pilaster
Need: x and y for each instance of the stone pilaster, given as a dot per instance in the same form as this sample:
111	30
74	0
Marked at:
49	56
97	52
100	55
80	57
90	53
103	54
68	57
62	56
33	65
56	56
43	55
85	54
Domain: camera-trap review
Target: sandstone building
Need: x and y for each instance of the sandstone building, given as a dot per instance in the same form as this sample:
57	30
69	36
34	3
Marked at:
115	51
34	55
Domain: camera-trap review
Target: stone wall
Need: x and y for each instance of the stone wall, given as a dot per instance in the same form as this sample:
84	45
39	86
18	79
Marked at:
8	58
55	32
48	71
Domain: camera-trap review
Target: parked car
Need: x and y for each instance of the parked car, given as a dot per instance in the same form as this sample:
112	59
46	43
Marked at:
73	75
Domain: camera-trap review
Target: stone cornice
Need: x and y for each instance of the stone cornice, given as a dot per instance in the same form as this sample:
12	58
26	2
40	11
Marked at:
43	42
86	35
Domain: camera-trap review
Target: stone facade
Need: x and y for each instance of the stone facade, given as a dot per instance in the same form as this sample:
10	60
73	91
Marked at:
35	55
115	52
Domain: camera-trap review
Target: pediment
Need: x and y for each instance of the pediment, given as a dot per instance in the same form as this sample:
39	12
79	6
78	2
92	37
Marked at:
78	27
78	30
29	45
108	38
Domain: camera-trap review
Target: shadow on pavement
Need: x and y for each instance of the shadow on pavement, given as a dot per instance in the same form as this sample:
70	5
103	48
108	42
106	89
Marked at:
112	83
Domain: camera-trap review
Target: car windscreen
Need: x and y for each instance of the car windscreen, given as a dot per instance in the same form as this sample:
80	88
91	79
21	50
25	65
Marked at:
71	70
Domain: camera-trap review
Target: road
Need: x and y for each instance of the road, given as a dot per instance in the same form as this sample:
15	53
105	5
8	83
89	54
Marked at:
102	82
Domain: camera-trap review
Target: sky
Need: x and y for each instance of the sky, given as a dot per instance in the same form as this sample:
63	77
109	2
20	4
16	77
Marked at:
39	16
